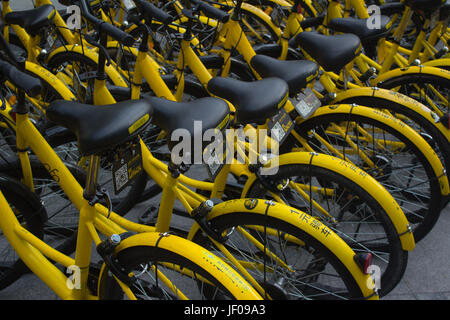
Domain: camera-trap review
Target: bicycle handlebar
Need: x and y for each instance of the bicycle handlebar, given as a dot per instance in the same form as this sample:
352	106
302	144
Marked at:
103	26
211	12
154	11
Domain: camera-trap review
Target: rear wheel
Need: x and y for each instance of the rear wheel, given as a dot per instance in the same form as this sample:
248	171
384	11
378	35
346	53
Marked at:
59	230
347	209
161	273
26	211
385	153
284	260
431	90
426	127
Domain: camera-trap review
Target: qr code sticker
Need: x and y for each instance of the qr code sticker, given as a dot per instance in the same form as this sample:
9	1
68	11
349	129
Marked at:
214	163
121	176
278	132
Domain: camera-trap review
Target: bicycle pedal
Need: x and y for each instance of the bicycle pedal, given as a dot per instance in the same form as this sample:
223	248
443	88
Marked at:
149	217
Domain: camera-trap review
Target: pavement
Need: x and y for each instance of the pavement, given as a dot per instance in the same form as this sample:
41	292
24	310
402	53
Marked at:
427	276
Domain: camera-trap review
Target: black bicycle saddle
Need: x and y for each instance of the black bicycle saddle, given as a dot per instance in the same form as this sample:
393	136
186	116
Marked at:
101	128
255	101
209	112
297	73
32	20
332	53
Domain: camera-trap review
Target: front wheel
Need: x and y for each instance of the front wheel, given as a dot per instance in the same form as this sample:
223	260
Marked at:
391	152
166	267
347	209
26	208
430	89
283	258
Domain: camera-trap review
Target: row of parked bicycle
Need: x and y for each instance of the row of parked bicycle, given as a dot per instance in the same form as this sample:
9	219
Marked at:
322	128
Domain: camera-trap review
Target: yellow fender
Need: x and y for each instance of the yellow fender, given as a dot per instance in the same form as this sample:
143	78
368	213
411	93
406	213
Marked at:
51	79
438	63
110	70
395	73
395	97
300	220
397	124
361	178
227	275
282	3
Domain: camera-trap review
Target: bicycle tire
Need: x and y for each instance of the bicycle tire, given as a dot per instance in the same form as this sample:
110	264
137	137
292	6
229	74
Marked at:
62	222
177	252
87	67
422	216
404	83
28	211
350	206
257	224
425	127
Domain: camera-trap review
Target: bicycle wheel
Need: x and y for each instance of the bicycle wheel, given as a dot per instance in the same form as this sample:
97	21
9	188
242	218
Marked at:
27	210
431	90
62	216
284	259
422	123
386	153
348	210
257	30
170	268
77	72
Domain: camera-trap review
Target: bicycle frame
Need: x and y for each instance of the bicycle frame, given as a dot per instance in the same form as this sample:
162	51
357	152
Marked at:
92	217
33	250
97	217
37	254
32	43
190	59
74	43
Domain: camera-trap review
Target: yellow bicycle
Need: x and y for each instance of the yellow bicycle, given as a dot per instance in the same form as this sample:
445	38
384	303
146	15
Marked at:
170	260
395	266
249	233
343	131
427	82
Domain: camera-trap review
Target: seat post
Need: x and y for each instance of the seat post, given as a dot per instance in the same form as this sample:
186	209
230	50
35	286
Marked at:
90	189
